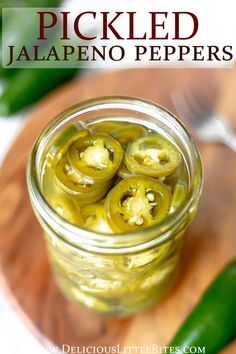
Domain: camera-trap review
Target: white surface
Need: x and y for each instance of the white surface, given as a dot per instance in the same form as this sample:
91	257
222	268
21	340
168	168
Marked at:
9	127
15	338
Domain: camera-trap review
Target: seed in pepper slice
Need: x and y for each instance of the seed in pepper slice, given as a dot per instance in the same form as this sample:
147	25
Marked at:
96	158
94	218
128	133
137	202
152	155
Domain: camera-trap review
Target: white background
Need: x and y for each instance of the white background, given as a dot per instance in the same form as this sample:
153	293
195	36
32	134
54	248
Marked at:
216	27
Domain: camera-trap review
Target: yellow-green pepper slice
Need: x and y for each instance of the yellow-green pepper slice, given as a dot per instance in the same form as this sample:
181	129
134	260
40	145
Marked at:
128	133
74	184
63	142
66	208
179	194
152	155
94	218
96	158
137	202
105	127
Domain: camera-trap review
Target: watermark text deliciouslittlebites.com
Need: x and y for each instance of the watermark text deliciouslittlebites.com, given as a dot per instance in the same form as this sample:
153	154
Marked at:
128	349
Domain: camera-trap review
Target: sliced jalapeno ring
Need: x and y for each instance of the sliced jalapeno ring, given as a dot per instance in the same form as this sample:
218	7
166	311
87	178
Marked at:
63	142
152	155
137	202
105	127
74	184
87	200
179	194
66	208
94	218
128	133
179	176
96	158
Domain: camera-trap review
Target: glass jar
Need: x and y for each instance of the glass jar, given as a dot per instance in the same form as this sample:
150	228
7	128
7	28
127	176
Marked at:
116	274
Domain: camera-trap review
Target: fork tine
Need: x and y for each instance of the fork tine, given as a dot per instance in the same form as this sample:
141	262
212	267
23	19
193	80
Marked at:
194	106
208	123
199	102
182	108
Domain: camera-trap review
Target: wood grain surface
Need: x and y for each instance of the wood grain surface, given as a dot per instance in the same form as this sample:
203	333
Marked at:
210	242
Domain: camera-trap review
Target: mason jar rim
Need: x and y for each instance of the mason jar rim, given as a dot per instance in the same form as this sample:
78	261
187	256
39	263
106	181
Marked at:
77	236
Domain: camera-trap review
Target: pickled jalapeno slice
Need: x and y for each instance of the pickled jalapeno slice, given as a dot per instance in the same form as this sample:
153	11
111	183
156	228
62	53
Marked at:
112	177
128	133
179	194
74	184
66	208
152	155
96	158
105	127
63	142
137	202
94	218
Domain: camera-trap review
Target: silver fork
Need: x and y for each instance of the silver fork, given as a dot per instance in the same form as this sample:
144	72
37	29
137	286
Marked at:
209	125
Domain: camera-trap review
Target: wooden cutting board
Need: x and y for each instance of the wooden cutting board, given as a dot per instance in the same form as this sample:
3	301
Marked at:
210	243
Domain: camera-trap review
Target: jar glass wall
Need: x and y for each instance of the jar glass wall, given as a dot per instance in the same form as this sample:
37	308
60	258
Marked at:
117	274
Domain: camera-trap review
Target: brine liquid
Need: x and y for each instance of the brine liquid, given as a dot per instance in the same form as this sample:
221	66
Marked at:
114	284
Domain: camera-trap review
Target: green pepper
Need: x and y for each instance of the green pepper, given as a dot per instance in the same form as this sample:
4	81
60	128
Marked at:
95	158
42	3
29	85
26	85
152	155
212	323
29	3
24	26
137	202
